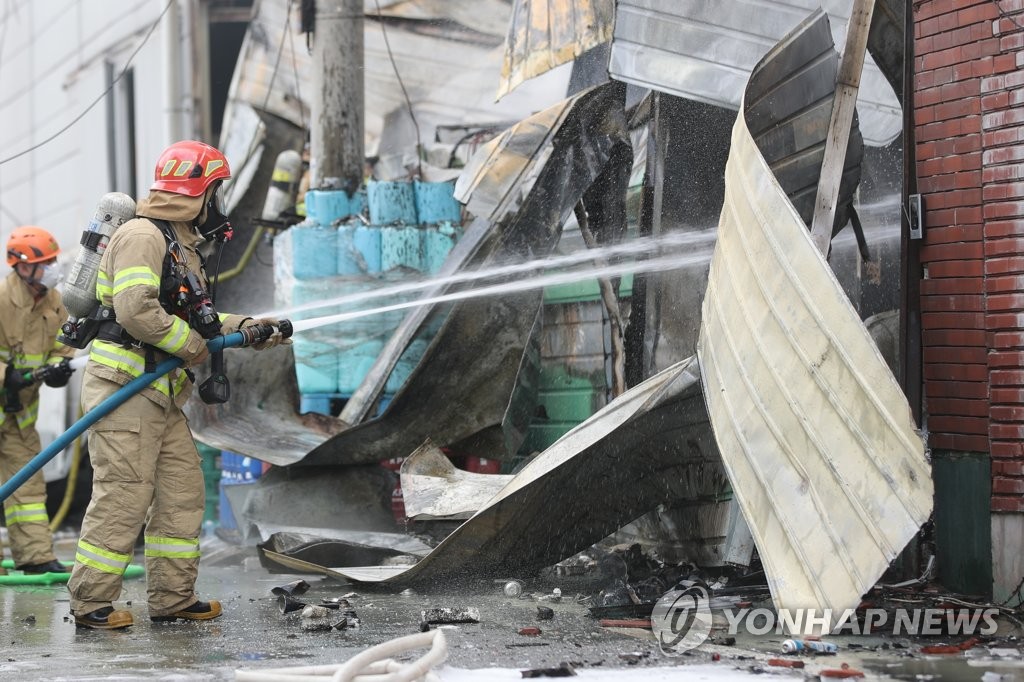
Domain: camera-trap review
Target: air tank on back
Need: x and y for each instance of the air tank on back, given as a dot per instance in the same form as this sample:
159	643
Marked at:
79	290
283	183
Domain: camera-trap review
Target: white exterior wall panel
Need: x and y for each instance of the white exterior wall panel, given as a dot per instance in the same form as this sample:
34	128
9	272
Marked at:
53	63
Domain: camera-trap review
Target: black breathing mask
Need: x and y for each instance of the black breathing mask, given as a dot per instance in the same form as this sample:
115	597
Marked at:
215	225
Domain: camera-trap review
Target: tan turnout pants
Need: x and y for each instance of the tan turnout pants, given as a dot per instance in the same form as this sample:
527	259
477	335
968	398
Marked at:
144	462
28	526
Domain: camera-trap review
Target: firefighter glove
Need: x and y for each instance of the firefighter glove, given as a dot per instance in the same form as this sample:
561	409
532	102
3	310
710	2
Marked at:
57	375
275	338
15	379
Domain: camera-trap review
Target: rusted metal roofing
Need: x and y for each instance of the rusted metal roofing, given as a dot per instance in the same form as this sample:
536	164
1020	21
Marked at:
813	428
705	51
546	33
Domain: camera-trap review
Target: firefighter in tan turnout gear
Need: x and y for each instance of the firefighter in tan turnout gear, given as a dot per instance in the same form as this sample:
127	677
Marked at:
146	467
31	313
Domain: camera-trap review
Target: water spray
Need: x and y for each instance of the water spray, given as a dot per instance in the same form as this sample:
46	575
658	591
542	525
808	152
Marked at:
643	247
653	265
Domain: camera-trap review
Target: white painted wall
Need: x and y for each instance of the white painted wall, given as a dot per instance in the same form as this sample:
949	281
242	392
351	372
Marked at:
53	56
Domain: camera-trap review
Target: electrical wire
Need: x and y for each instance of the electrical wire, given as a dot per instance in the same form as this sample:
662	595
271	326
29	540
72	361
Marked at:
405	93
102	94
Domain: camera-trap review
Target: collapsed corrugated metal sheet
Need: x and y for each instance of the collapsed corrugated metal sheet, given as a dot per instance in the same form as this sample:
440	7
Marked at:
646	447
433	488
522	189
788	108
546	33
705	51
815	433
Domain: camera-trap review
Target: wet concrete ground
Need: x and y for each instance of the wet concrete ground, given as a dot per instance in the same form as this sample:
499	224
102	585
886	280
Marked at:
39	640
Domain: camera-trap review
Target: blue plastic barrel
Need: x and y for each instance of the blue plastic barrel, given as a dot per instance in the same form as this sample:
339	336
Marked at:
438	241
401	246
313	250
326	207
391	202
435	203
358	249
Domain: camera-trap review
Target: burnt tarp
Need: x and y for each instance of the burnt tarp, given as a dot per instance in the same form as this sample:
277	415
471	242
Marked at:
651	445
521	188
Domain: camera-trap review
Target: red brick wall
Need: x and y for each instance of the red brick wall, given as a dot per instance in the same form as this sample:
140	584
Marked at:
969	116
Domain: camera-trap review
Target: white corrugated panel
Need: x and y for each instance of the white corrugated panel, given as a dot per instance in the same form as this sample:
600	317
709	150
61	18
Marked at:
815	433
706	50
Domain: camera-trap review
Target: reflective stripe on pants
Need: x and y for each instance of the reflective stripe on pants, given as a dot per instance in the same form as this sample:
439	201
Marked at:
28	526
144	461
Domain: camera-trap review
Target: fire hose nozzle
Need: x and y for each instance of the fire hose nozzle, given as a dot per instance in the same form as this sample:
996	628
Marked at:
261	332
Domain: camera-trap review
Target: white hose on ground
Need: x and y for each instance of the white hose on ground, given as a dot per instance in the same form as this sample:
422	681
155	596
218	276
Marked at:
373	665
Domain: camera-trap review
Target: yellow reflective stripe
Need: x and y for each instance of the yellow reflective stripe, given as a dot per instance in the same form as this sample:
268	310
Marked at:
28	416
130	277
172	548
117	357
280	175
212	166
26	513
102	559
104	285
175	339
131	363
180	382
29	361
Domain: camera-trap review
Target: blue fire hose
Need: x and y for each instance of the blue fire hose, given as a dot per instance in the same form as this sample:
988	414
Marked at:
246	337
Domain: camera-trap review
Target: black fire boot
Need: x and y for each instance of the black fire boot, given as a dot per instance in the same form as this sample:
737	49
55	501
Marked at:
201	610
104	619
53	566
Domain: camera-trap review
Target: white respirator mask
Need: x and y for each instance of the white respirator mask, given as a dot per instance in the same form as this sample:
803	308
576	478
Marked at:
51	275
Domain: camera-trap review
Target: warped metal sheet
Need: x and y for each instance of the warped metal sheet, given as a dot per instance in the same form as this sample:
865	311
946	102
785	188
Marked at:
464	385
705	51
260	418
788	112
651	445
432	488
815	433
886	41
546	33
358	549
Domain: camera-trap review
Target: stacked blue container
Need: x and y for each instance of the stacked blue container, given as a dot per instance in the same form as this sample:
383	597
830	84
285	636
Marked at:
412	228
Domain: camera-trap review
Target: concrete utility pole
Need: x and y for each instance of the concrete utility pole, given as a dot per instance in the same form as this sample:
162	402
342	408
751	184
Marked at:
336	134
